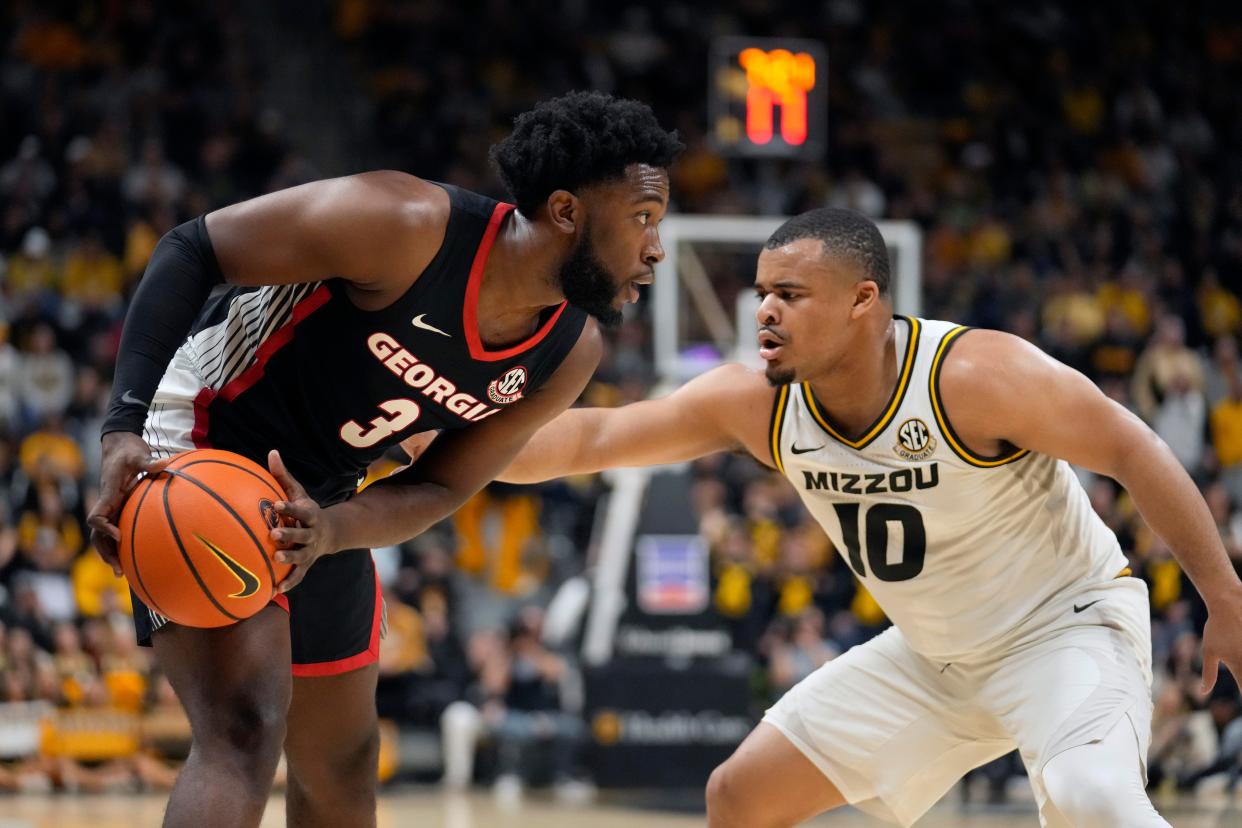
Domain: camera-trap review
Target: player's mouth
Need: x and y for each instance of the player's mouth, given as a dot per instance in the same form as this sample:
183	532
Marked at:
770	344
631	287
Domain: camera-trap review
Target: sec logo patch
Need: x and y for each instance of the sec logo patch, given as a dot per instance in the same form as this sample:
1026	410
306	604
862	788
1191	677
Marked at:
508	387
914	440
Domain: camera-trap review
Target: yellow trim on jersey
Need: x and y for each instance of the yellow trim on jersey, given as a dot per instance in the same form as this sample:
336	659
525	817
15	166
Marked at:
933	387
1123	573
778	421
894	402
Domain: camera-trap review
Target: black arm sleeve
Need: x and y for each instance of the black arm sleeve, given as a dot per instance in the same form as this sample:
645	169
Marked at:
179	278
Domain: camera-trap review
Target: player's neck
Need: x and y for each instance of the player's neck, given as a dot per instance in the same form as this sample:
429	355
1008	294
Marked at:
518	282
854	393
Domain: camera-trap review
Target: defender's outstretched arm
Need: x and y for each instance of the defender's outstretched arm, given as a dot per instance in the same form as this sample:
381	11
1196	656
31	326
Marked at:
725	409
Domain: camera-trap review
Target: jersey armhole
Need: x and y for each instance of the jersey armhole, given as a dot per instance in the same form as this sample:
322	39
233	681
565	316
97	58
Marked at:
777	423
942	419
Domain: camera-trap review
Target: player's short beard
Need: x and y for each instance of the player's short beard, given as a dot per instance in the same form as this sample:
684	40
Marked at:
587	284
779	376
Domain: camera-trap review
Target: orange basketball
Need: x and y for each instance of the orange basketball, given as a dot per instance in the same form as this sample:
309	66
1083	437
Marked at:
195	542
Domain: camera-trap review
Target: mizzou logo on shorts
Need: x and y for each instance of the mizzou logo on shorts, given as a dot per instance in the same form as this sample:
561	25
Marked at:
508	387
914	440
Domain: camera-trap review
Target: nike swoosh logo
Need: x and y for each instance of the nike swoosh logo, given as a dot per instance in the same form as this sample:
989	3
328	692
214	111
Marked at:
1084	606
419	323
249	583
129	398
794	448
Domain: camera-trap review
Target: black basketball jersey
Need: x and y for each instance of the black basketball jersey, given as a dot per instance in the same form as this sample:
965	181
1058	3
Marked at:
301	369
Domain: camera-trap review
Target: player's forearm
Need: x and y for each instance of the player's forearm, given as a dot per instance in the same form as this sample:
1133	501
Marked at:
387	514
560	448
1171	504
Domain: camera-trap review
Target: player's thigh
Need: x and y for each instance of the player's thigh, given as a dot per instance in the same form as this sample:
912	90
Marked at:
1100	784
891	730
769	778
233	681
336	616
1071	691
332	722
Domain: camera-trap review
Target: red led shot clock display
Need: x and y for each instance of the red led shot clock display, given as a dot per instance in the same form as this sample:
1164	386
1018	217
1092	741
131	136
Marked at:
768	97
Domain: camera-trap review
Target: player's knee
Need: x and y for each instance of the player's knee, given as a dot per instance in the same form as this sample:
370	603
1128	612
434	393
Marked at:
359	763
1094	795
249	731
342	768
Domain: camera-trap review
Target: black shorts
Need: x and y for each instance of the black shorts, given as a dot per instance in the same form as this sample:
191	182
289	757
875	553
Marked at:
335	615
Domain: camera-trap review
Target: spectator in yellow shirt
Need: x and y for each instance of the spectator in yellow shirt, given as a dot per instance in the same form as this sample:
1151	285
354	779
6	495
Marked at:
1226	428
93	276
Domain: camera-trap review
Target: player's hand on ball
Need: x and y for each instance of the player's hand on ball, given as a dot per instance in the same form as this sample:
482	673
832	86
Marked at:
311	537
125	456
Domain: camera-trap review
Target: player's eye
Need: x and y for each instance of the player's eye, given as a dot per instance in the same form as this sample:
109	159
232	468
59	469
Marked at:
644	218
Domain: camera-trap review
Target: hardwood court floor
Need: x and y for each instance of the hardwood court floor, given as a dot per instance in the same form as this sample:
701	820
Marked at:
429	809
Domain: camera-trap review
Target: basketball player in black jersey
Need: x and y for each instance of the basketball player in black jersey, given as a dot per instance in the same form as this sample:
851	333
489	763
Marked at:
316	327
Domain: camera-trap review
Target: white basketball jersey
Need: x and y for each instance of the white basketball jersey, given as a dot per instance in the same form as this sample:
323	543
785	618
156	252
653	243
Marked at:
959	550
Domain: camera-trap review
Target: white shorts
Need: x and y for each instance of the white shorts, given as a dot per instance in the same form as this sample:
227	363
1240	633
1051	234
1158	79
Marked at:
894	730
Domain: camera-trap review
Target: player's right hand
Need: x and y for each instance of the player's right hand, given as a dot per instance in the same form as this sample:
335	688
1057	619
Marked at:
125	456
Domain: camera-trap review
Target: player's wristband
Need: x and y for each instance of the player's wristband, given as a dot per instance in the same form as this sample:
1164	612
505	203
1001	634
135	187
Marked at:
179	278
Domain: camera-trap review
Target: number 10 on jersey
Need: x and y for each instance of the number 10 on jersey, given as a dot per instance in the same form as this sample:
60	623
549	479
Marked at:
875	534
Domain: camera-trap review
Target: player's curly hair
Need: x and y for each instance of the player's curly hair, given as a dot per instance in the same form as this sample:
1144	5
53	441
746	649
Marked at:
843	233
576	140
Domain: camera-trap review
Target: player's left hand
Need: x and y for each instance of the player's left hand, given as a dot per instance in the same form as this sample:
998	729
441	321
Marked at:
1221	642
311	534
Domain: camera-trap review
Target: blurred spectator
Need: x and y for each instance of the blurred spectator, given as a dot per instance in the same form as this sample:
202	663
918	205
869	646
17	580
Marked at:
93	277
527	708
46	375
153	181
1225	709
800	652
31	275
1226	430
524	709
495	530
1166	363
10	382
1223	365
1181	418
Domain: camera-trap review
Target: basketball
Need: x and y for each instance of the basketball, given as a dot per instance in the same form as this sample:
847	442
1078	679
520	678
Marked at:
195	543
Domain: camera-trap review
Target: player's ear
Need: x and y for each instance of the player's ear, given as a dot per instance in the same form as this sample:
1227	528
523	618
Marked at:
866	296
565	211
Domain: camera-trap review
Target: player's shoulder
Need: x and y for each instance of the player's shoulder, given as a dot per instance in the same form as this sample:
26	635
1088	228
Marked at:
983	365
397	222
407	200
588	349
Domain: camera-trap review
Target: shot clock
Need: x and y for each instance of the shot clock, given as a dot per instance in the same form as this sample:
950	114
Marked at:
768	97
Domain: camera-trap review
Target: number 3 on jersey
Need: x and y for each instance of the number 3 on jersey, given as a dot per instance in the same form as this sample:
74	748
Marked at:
403	414
879	516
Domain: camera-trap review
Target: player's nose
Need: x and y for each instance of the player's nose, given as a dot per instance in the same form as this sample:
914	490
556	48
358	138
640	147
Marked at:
653	253
766	313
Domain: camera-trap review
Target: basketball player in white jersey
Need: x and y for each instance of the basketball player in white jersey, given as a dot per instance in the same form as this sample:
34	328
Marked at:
937	459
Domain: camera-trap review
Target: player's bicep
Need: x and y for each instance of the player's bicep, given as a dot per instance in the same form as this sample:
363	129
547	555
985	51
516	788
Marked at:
362	228
1023	396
